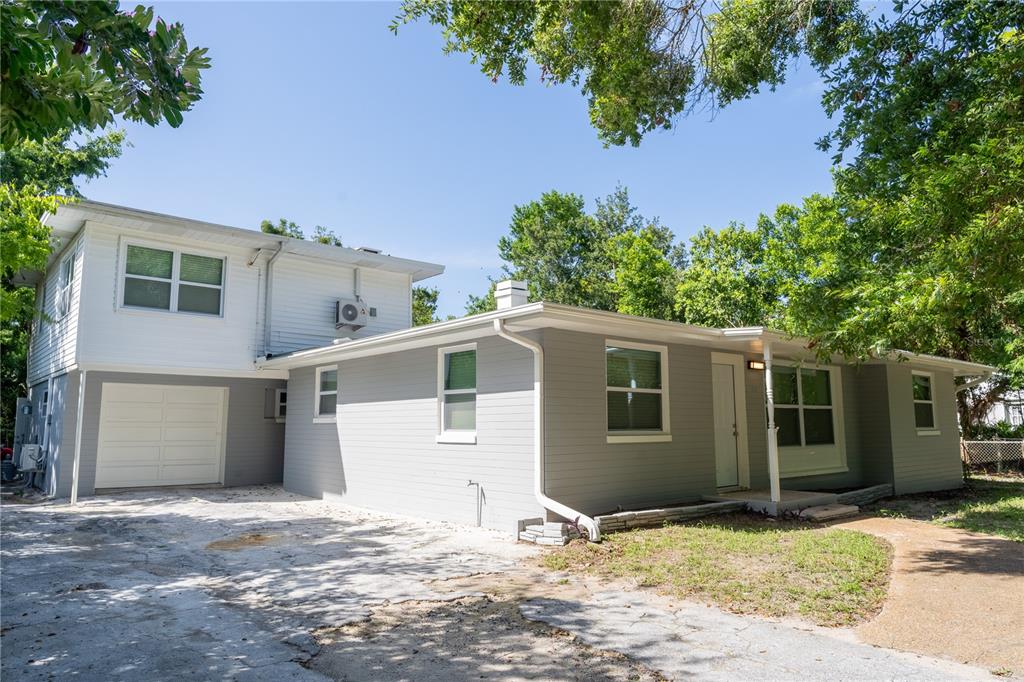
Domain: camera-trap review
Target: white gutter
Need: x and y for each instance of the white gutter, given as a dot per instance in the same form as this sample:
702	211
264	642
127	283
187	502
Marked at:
592	526
267	307
78	439
773	431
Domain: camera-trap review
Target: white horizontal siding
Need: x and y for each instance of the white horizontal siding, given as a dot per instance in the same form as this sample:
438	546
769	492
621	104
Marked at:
304	296
52	346
382	453
112	335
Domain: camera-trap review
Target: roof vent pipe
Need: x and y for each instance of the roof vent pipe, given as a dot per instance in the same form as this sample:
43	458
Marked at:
510	293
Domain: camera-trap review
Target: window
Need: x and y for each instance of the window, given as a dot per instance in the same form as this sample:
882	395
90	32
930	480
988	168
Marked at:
41	313
924	404
170	280
637	391
325	405
64	279
803	406
457	394
281	404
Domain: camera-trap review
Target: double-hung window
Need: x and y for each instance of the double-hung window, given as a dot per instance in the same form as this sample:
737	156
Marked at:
803	406
637	392
162	279
64	279
325	405
924	403
281	404
808	416
456	392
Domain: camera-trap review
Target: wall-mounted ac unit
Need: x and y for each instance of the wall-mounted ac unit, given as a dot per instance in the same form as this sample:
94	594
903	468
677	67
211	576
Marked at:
351	313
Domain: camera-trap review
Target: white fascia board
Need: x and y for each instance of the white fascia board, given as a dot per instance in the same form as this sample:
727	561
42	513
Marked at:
256	373
69	218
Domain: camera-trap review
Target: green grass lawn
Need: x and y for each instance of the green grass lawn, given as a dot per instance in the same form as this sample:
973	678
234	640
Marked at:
748	565
986	504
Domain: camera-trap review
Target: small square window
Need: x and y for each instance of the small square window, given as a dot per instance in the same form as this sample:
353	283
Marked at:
325	405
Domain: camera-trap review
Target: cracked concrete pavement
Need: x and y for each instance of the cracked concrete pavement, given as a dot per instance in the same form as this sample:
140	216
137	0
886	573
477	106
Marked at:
243	583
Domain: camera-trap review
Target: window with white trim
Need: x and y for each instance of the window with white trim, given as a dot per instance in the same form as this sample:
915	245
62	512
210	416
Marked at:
457	389
281	404
804	412
637	386
325	405
64	279
41	312
924	402
176	281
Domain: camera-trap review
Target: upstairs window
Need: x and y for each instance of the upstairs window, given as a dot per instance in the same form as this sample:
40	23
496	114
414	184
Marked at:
636	382
457	389
804	413
280	404
64	279
924	404
174	281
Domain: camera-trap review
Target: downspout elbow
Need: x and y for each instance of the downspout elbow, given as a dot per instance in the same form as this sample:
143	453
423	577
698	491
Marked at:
591	524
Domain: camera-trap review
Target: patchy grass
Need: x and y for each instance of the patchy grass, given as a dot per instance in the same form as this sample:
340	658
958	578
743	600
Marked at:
747	565
986	504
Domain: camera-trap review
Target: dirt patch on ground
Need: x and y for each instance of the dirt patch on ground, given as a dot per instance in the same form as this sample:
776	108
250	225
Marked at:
469	637
244	541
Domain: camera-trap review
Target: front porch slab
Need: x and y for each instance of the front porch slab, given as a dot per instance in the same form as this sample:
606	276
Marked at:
760	501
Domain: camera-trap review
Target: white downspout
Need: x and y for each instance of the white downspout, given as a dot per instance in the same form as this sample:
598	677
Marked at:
592	526
773	431
267	307
78	439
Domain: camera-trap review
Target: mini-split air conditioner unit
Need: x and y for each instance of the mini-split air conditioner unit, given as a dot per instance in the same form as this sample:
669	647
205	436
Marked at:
350	313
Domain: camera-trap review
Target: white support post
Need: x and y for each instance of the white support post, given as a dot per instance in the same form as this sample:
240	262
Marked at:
78	439
773	431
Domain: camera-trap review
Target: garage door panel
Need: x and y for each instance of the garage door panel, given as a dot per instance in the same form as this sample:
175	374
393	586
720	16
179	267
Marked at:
196	433
131	454
131	433
129	475
134	412
152	435
182	474
195	415
182	454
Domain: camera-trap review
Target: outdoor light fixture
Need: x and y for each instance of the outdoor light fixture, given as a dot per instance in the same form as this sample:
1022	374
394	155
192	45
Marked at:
755	364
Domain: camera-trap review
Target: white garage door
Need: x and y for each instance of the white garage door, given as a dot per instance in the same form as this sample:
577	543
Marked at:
160	435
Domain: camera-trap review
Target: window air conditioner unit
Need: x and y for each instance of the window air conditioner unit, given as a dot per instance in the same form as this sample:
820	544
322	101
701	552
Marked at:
351	313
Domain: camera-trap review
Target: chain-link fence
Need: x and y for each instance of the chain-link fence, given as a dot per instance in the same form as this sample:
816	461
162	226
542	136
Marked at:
993	455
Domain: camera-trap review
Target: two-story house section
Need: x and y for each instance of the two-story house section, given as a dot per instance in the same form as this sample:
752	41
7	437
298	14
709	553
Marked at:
150	329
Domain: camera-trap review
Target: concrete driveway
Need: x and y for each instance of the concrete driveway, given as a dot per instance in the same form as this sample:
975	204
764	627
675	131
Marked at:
259	584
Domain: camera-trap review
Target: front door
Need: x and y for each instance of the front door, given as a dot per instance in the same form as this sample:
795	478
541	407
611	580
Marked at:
726	446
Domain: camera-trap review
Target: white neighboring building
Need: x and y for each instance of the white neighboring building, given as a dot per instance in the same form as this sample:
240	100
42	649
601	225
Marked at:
1009	410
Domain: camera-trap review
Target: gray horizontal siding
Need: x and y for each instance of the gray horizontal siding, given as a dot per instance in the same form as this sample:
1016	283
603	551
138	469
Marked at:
923	463
594	476
383	453
255	443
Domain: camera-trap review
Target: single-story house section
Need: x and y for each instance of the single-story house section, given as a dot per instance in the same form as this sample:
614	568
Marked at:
549	411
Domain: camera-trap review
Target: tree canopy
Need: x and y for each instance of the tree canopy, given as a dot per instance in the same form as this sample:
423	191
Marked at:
596	260
79	64
287	228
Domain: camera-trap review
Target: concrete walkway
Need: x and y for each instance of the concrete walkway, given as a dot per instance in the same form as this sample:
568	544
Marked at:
953	594
259	584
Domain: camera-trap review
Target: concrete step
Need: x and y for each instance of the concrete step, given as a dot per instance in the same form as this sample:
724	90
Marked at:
828	512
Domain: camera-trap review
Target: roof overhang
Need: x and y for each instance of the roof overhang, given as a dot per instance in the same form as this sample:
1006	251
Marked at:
70	218
535	316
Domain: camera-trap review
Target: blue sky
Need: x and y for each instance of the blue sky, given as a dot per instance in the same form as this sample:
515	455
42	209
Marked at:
317	113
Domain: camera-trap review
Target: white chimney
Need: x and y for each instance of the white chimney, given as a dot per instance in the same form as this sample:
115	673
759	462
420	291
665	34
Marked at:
509	293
